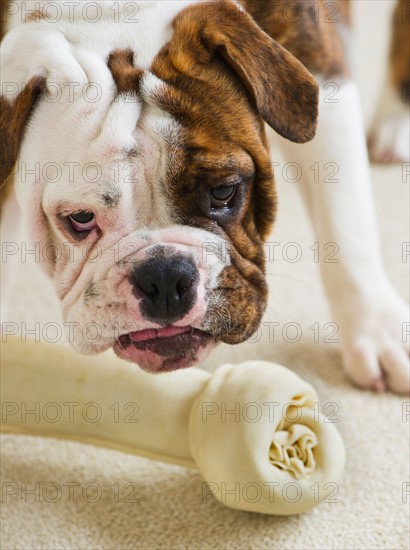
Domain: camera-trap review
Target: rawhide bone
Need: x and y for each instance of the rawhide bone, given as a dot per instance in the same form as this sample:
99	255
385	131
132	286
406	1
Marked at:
253	430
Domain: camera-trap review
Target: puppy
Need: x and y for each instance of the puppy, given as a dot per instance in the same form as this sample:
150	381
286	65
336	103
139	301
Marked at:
135	136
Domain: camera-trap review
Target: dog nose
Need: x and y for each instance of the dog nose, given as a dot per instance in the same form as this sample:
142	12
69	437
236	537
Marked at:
167	286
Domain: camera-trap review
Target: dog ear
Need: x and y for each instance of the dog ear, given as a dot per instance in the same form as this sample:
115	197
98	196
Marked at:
285	93
14	116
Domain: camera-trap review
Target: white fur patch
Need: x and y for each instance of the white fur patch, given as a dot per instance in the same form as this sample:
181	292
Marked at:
104	25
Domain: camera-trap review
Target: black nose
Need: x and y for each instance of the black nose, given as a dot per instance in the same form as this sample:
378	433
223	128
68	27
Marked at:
167	286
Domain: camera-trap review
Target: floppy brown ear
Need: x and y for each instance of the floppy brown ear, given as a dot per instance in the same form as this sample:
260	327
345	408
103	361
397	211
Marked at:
285	93
14	116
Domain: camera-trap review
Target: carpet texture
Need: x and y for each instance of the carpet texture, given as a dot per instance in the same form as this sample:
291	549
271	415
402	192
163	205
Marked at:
111	500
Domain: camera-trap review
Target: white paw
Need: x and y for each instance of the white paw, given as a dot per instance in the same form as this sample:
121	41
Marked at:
389	141
375	342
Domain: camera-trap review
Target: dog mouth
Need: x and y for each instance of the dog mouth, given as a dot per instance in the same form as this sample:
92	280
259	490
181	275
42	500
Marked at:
164	349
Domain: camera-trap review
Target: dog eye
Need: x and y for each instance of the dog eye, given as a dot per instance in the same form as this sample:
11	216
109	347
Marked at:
82	221
223	197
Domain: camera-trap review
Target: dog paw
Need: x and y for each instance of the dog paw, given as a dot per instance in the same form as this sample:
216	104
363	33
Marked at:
389	141
376	343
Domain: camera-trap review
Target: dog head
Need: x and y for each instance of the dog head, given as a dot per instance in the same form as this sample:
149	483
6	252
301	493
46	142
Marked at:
152	201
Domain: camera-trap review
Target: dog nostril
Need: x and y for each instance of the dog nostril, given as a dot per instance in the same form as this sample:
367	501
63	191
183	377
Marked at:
149	288
183	285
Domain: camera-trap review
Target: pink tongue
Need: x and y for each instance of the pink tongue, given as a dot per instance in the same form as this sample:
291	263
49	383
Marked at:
153	333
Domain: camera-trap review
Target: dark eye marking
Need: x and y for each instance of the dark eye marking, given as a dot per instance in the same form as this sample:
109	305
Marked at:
90	292
112	196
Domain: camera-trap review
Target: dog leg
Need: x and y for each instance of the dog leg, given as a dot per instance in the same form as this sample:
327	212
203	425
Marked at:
389	139
371	315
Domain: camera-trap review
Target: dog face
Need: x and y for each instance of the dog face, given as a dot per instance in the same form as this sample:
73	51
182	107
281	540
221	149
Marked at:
151	204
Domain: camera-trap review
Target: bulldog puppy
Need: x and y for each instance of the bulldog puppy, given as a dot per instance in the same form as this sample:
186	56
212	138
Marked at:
136	141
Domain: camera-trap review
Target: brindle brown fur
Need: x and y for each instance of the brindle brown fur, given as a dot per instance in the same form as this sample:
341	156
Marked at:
126	76
209	91
400	49
306	28
14	117
13	121
223	74
3	17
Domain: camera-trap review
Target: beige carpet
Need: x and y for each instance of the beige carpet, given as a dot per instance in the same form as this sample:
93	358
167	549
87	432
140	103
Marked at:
370	511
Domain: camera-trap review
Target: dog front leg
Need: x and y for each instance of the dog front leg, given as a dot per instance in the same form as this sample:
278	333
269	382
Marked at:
371	315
